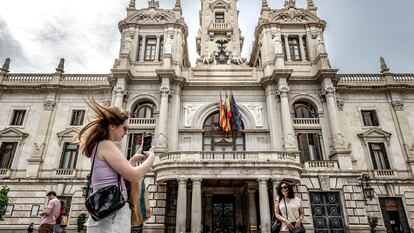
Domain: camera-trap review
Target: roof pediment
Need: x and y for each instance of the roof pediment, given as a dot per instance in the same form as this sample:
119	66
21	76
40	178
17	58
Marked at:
375	133
219	4
12	133
293	15
69	133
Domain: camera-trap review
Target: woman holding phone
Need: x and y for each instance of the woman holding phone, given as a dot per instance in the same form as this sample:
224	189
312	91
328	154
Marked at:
97	141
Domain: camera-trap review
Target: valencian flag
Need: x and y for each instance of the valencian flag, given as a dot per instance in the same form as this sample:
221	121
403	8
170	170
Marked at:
222	120
237	123
229	115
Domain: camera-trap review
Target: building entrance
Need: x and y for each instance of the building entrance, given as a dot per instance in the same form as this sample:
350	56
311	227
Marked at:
393	214
223	207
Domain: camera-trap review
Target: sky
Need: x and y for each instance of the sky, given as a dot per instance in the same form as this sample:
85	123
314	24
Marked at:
36	34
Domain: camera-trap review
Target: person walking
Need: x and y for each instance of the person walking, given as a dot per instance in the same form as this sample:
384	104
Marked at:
97	141
288	208
50	213
30	229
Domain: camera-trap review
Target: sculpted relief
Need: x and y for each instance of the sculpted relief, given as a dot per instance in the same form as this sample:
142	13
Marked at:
189	112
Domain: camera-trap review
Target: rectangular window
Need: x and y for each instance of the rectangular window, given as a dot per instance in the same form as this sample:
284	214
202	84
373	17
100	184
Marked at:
370	117
161	49
7	151
309	146
150	46
134	142
35	210
305	48
69	156
77	117
67	203
219	17
379	156
294	48
9	211
139	48
18	117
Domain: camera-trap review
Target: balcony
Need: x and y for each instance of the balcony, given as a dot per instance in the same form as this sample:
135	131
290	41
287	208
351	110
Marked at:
321	165
142	123
4	172
220	28
65	173
228	165
310	123
384	174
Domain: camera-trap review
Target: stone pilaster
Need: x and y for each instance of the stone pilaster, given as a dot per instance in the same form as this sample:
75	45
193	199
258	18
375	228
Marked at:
161	142
196	210
251	190
289	140
264	206
181	216
271	111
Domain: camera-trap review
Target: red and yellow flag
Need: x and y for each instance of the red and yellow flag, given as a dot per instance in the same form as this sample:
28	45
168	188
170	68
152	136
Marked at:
222	120
228	115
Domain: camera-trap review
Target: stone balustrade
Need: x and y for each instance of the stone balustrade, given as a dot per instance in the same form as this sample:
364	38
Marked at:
321	165
65	172
306	122
402	78
141	122
24	78
386	173
232	156
84	78
4	172
360	78
220	27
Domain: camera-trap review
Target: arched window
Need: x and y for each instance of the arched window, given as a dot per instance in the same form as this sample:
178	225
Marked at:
215	140
143	110
304	109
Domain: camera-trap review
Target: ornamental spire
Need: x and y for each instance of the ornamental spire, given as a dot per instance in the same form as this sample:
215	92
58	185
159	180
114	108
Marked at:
264	4
6	65
384	67
132	4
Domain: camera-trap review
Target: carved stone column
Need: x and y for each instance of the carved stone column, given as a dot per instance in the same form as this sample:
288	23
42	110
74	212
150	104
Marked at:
196	206
161	142
264	206
251	190
181	215
289	139
337	139
119	92
271	113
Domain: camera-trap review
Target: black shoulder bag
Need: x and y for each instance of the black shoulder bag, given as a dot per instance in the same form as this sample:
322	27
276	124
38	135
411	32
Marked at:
276	224
105	201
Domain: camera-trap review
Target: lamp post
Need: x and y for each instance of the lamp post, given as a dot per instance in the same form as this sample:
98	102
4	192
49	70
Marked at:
367	189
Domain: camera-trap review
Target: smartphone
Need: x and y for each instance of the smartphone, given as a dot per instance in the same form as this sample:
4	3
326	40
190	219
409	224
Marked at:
147	142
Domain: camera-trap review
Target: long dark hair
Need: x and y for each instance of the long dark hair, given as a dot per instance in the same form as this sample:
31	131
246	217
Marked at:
291	193
97	129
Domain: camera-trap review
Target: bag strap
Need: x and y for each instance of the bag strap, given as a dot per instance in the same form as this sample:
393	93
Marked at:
287	215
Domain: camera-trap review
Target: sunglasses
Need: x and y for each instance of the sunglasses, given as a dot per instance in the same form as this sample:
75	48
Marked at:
125	128
283	187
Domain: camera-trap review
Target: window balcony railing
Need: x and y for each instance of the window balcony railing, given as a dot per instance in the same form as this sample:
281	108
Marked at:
4	172
306	122
224	27
65	172
141	123
321	165
385	173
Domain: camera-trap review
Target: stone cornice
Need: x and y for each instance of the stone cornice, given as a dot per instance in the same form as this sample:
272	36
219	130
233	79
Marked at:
375	82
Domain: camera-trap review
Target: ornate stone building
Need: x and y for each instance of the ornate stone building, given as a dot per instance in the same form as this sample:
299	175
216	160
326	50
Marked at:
345	140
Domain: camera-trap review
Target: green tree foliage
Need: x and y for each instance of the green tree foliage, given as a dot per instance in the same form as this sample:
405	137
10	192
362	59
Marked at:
4	200
81	221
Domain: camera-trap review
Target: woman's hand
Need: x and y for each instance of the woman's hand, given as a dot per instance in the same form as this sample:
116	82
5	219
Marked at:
298	222
289	224
150	152
136	158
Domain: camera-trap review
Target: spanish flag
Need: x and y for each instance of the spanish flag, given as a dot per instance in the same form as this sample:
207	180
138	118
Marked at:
228	115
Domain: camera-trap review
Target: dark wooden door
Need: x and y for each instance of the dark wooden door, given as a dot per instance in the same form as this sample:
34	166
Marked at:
393	215
327	212
223	214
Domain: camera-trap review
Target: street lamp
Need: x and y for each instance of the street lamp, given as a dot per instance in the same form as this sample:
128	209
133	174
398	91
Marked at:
367	189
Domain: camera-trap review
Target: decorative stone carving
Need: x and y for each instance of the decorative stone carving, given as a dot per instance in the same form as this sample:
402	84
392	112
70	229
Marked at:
190	110
257	111
162	140
283	91
321	44
338	141
398	105
291	13
324	182
310	3
384	67
167	45
126	44
165	90
328	91
277	40
154	16
48	105
38	149
6	65
289	141
120	91
235	58
340	104
61	66
208	58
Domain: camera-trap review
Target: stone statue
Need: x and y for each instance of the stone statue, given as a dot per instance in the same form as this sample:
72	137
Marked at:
236	58
208	58
167	45
321	44
384	67
61	66
6	65
278	44
126	45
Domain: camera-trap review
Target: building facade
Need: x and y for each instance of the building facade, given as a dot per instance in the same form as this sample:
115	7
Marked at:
344	140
